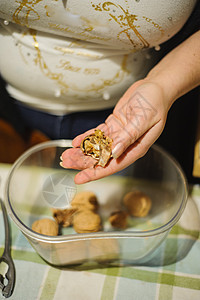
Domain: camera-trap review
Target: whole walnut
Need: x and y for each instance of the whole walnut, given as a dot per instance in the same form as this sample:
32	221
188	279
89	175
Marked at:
85	200
118	219
86	221
137	203
46	227
64	217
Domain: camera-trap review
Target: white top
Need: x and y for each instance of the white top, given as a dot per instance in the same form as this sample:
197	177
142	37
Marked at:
63	56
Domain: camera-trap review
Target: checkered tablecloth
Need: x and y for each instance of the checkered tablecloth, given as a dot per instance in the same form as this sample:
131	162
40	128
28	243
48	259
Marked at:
173	272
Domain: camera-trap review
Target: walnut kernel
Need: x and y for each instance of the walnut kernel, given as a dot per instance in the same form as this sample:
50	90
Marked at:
98	146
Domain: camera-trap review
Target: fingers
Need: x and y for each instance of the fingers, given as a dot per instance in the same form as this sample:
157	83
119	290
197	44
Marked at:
91	174
135	124
132	117
114	165
128	135
74	158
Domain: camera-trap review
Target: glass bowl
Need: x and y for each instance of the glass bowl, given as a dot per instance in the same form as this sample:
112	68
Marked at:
37	182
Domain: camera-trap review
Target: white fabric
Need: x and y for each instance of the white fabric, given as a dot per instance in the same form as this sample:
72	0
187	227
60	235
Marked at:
64	56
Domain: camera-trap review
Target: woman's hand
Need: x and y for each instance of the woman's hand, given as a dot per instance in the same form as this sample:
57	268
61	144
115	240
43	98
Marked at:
140	115
137	121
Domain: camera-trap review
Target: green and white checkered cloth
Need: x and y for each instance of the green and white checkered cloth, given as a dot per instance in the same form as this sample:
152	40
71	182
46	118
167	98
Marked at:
173	273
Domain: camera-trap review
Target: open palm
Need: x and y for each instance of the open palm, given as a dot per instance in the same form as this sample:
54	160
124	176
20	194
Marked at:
136	122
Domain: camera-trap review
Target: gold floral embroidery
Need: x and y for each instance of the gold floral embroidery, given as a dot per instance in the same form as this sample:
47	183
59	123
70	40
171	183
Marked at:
39	60
91	71
84	36
63	65
48	11
66	65
21	16
157	26
67	50
124	19
25	8
118	77
127	22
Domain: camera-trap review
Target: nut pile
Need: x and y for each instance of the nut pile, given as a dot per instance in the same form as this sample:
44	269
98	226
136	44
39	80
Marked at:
83	214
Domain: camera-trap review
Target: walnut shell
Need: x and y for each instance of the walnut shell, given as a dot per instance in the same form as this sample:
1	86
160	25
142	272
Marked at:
86	221
118	219
46	226
64	217
85	200
137	203
98	146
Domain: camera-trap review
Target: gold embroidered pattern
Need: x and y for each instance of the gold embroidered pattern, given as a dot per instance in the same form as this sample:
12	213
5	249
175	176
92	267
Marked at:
65	65
127	22
39	60
26	10
118	77
78	53
84	35
124	19
22	13
48	11
157	26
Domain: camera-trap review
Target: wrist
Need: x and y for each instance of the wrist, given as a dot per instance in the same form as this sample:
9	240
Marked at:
179	71
167	90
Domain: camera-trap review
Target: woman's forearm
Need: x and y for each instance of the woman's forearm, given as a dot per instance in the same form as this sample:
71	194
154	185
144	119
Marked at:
179	71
